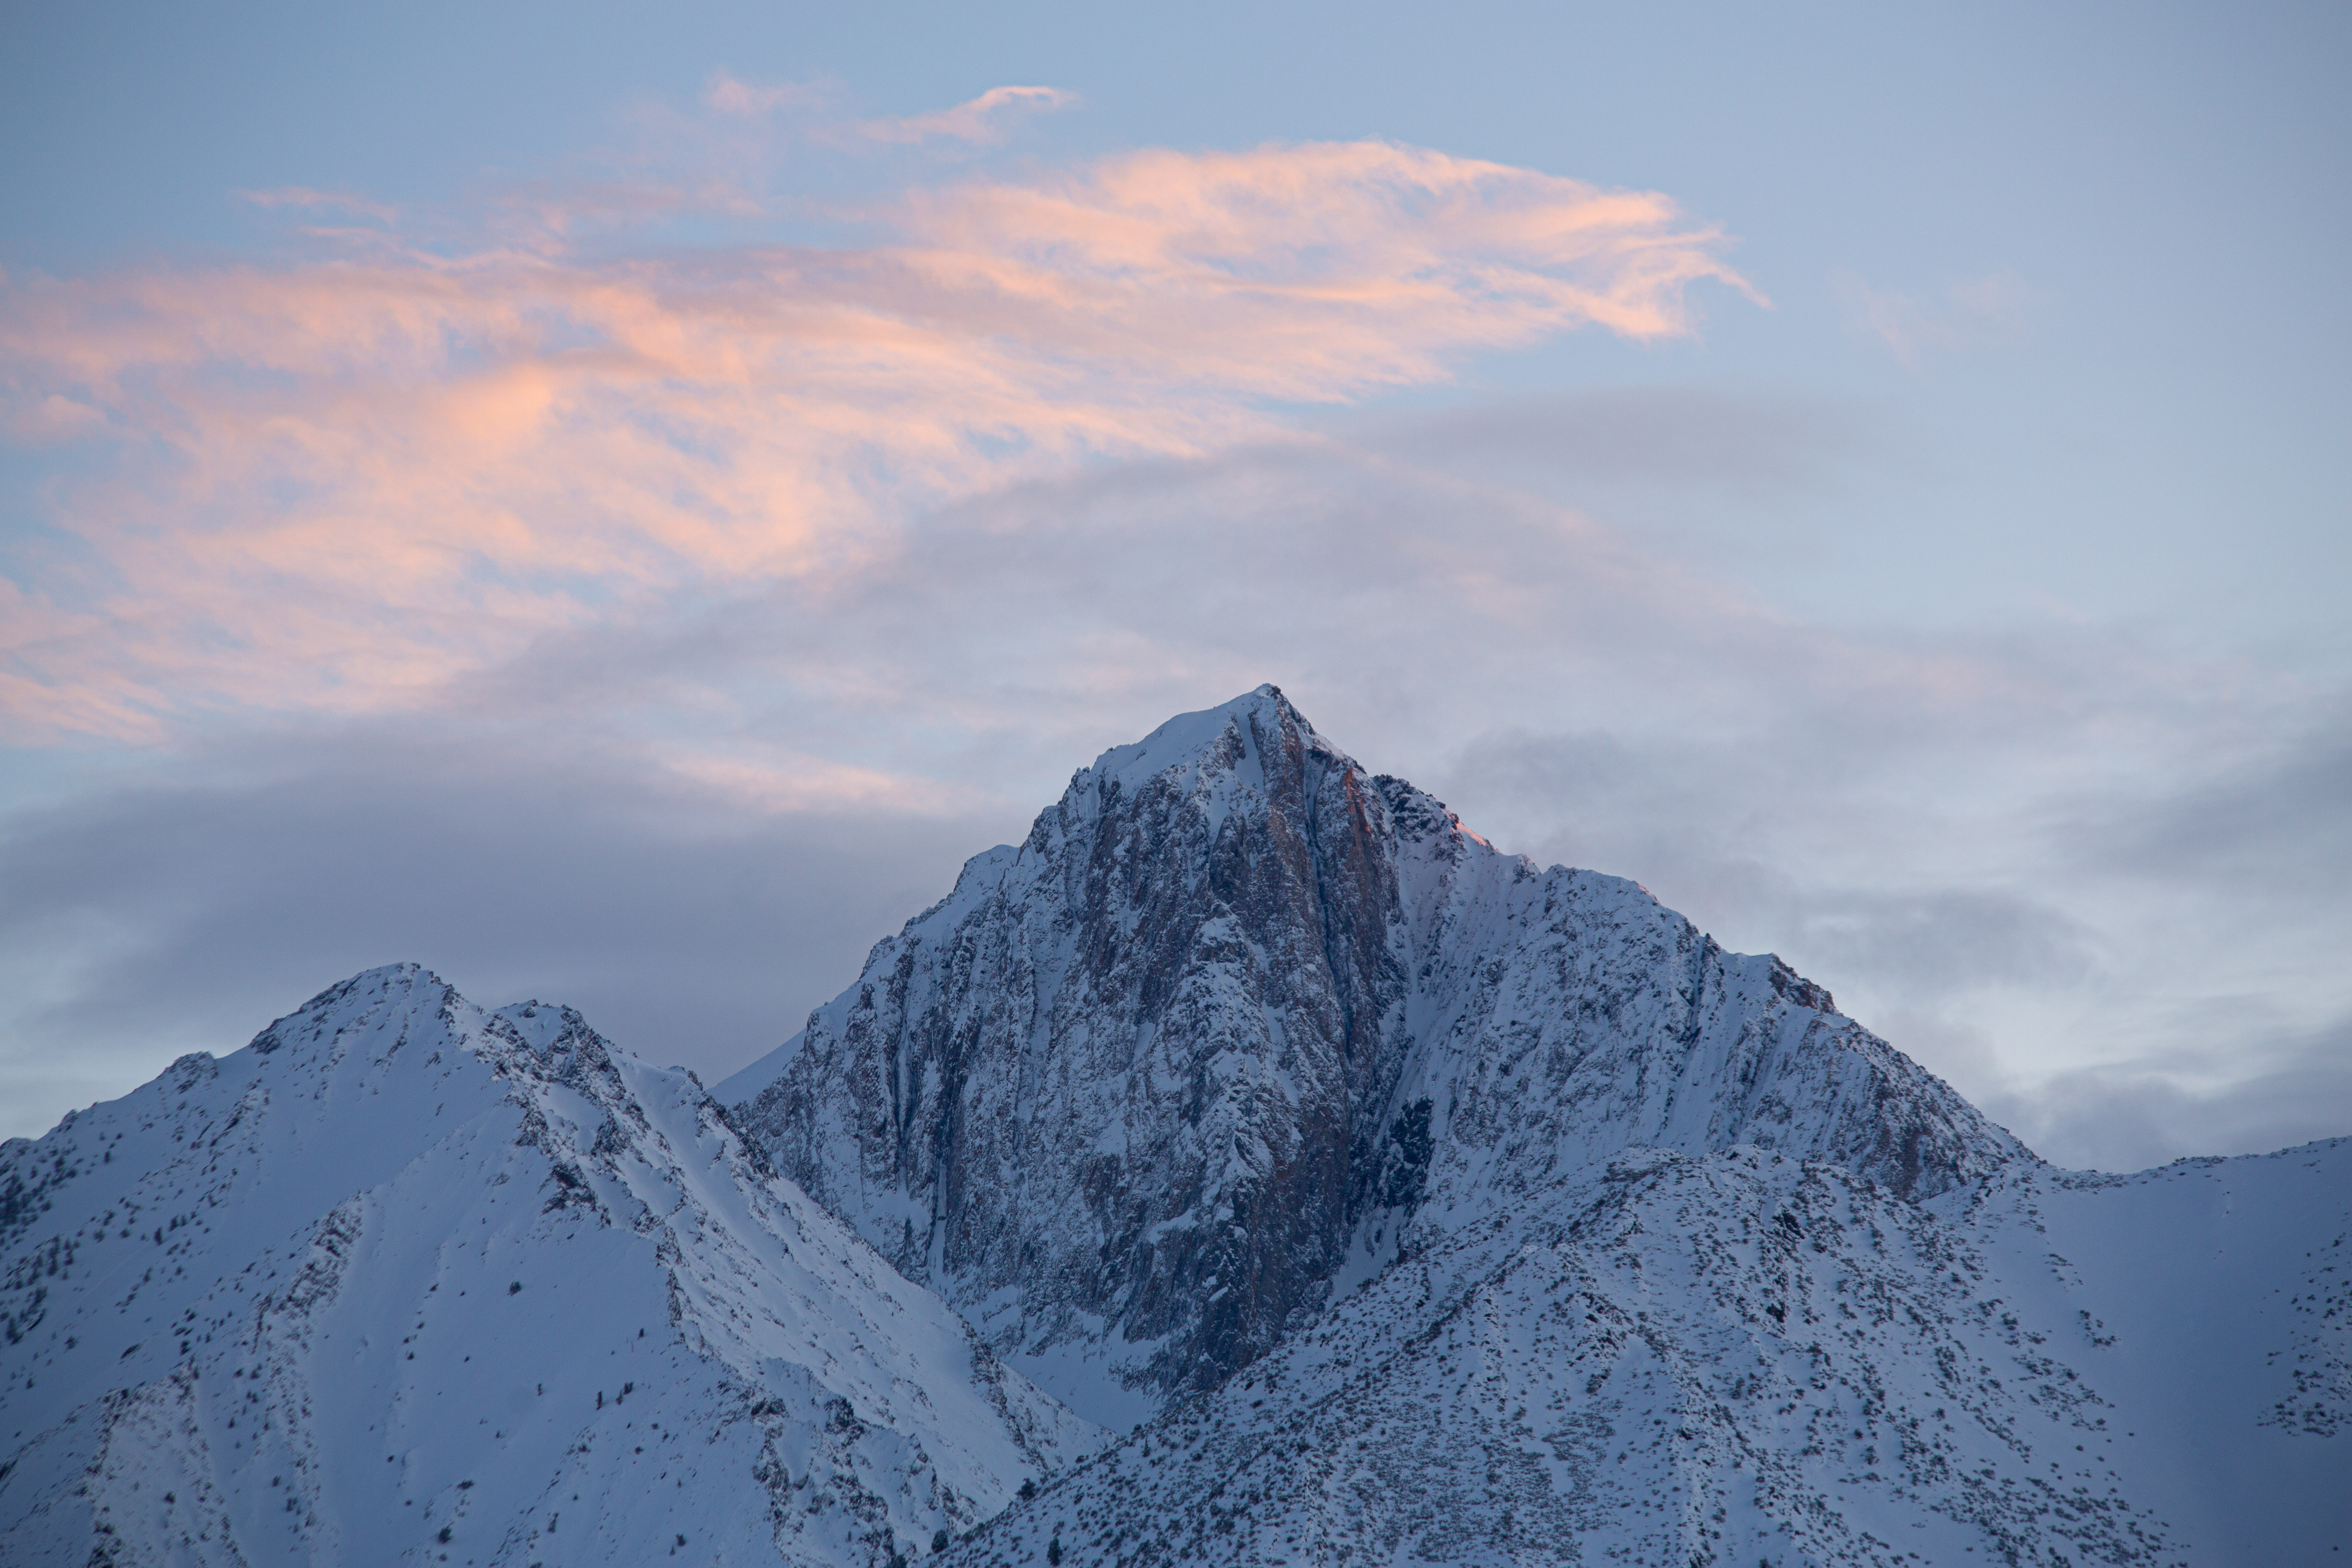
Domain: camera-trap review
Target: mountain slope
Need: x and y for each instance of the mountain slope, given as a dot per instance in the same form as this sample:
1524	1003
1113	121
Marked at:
1743	1359
1239	1021
404	1281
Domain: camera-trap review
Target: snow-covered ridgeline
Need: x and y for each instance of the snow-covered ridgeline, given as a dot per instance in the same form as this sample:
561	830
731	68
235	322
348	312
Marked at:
407	1281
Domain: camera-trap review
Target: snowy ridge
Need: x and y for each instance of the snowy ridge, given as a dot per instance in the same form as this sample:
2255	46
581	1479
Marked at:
1564	1016
407	1281
1240	1020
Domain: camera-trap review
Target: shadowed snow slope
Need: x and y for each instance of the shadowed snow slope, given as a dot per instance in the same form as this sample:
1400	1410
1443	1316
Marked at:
1239	1022
1747	1359
404	1281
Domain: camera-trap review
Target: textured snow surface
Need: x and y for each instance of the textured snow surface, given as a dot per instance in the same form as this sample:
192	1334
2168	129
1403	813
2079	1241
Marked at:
1239	1021
1742	1358
403	1281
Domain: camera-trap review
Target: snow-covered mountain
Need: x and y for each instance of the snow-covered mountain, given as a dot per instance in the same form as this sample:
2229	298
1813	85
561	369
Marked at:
1422	1205
406	1281
1240	1022
1403	1201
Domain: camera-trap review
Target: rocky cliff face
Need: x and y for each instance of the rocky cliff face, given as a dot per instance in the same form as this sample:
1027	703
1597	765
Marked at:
1239	1021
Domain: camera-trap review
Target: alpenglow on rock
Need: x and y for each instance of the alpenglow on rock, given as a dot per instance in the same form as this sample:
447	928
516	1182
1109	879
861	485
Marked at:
1239	1024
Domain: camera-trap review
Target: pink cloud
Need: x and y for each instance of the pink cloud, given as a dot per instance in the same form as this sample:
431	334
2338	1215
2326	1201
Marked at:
727	95
338	483
980	120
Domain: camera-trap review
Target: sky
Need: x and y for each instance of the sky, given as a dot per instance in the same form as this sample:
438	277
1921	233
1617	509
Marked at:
615	505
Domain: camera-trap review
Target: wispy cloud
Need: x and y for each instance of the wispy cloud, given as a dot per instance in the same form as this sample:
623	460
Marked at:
53	418
1963	316
303	196
726	94
980	120
337	482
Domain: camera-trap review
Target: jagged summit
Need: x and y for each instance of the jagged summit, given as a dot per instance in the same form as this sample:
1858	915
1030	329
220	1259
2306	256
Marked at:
1237	1022
1218	745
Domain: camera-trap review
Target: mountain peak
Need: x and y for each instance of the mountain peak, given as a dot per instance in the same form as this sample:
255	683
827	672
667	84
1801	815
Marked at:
390	990
1211	742
1240	1024
407	1271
